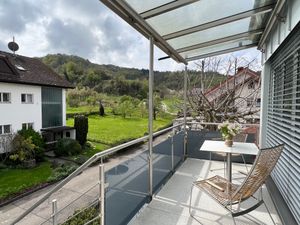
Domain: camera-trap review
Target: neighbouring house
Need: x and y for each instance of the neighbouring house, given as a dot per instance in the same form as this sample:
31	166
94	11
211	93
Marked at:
246	85
32	96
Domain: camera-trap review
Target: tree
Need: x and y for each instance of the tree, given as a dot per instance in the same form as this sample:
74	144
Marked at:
223	102
157	105
101	109
81	125
126	106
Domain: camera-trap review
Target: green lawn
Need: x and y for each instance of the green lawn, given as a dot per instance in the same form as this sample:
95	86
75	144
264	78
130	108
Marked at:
112	130
15	180
82	109
98	147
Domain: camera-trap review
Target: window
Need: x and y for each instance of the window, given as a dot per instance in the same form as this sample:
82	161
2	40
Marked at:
5	129
26	126
4	97
251	85
27	98
258	102
249	101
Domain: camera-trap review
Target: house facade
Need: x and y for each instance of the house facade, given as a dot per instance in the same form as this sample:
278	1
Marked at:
246	87
31	95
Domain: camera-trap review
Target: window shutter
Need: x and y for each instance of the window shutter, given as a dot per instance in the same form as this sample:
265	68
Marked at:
283	121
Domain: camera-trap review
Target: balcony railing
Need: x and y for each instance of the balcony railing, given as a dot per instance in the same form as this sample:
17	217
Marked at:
118	193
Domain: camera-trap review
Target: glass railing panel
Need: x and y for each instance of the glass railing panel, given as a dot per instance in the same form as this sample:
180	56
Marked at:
128	189
178	148
162	163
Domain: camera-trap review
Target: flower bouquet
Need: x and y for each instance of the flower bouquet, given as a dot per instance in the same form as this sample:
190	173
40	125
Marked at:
228	131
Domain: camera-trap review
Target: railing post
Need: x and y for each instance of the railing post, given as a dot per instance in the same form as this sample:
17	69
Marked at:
184	115
54	212
150	118
102	194
172	150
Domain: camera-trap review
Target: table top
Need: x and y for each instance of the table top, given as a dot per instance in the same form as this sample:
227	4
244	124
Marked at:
237	147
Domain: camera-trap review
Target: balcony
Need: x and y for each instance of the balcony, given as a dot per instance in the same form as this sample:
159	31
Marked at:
126	180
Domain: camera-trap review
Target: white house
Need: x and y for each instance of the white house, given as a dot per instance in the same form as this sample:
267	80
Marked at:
32	95
246	86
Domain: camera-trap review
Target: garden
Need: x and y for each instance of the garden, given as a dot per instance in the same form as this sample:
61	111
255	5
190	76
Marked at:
110	123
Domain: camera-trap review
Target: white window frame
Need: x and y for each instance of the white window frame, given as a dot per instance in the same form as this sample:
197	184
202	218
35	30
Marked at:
28	125
2	129
1	97
26	98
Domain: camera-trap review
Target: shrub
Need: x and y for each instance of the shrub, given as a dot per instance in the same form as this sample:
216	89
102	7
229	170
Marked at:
37	140
67	147
101	109
22	150
81	125
83	216
61	172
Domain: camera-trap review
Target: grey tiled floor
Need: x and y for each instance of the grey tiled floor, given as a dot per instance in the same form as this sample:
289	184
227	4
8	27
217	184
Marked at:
170	205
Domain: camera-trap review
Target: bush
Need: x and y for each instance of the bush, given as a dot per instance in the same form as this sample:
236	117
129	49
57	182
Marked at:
67	147
22	150
81	125
37	140
84	216
61	172
101	109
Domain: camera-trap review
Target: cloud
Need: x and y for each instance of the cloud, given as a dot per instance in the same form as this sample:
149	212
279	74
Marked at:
71	38
15	14
3	46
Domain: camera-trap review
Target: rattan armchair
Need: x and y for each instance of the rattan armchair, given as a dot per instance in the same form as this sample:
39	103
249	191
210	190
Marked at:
229	194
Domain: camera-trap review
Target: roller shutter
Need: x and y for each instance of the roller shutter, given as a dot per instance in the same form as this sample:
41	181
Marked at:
283	122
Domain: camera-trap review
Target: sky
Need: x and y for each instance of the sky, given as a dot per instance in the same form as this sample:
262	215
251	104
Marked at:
79	27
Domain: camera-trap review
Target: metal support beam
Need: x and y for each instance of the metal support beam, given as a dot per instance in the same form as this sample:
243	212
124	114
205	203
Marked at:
235	37
271	23
126	12
166	8
229	19
150	118
221	52
54	212
102	193
184	112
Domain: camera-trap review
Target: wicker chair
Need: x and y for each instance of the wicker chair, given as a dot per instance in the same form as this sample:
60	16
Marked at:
229	194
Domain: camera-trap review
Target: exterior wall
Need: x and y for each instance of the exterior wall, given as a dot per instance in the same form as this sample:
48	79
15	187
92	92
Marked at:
282	29
16	113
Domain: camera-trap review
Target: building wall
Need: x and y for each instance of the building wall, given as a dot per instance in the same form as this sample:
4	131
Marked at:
16	113
291	16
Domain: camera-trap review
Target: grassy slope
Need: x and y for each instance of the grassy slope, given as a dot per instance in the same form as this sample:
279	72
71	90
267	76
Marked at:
15	180
114	129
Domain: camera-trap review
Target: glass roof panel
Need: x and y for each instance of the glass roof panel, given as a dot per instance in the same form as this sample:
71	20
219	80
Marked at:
222	31
201	12
146	4
215	48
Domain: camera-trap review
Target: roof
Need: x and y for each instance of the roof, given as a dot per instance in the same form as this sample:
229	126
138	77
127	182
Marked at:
26	70
241	72
188	30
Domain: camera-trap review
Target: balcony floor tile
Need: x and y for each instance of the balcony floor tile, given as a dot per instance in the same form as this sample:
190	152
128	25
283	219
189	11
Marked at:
170	206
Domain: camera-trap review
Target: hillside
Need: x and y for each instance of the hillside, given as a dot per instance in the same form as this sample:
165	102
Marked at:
113	79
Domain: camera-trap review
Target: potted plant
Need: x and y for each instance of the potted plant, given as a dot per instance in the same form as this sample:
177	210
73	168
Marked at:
228	131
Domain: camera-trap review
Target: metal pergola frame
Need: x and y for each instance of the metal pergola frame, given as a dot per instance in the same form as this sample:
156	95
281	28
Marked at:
138	21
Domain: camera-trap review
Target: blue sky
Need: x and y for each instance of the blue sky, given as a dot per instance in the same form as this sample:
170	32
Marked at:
79	27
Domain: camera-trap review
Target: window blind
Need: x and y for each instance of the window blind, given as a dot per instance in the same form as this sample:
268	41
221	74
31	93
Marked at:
283	121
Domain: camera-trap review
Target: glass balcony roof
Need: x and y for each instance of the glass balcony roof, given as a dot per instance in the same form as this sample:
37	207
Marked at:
188	30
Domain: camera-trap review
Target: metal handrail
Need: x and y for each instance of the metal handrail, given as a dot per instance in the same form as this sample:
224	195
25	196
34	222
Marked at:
208	123
91	160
